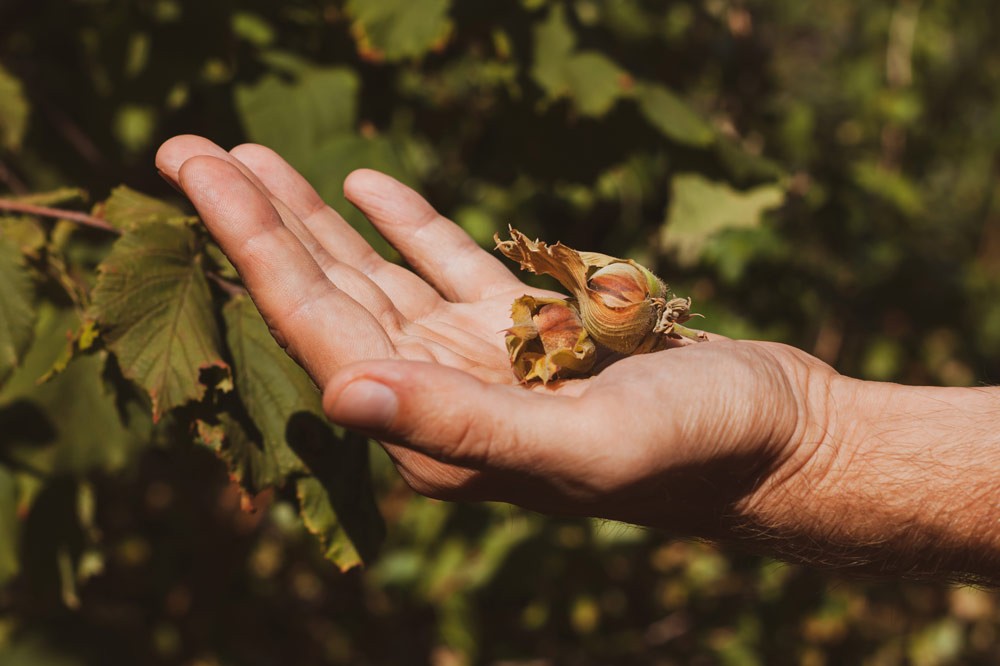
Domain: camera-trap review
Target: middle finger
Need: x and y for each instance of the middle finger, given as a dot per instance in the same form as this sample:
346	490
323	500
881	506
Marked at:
352	281
412	295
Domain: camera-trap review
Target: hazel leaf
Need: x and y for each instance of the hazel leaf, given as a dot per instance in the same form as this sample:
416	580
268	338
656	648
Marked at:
700	209
590	79
672	116
50	427
16	310
14	111
272	387
395	30
153	303
10	527
127	209
289	443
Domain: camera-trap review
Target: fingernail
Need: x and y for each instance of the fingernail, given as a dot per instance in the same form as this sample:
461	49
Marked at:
365	404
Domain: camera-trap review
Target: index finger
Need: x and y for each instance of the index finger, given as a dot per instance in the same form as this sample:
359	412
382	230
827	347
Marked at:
318	324
413	296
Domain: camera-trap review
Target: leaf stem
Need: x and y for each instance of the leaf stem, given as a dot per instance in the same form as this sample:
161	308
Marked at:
45	211
230	288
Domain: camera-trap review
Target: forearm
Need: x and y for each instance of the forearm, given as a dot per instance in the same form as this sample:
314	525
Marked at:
890	479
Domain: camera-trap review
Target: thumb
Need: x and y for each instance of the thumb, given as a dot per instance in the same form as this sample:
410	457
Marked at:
451	415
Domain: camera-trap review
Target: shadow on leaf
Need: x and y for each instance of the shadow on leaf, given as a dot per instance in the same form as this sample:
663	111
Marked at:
341	468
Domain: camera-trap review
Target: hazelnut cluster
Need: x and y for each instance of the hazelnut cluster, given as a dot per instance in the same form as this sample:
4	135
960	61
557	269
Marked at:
616	303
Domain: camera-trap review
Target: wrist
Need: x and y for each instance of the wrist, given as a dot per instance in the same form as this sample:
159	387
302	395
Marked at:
887	479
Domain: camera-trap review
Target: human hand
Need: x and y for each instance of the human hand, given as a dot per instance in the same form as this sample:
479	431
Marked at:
692	439
749	441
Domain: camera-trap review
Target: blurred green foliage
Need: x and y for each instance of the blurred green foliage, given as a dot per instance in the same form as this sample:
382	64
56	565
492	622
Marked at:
818	172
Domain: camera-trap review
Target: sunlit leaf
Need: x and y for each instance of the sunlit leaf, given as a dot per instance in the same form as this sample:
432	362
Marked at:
153	303
940	643
52	332
298	445
294	116
75	423
133	126
591	80
553	38
16	311
77	398
891	186
77	341
320	519
10	527
308	117
495	546
672	116
222	266
333	160
272	387
700	208
338	501
59	196
128	209
23	233
252	28
245	455
14	111
393	30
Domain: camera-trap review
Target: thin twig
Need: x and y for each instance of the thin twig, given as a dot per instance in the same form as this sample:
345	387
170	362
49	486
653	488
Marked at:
45	211
227	286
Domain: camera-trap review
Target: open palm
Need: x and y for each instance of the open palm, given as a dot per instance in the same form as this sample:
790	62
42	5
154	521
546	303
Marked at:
336	300
416	358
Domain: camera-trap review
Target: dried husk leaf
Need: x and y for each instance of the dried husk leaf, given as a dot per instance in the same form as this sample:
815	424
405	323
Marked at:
548	339
622	304
562	263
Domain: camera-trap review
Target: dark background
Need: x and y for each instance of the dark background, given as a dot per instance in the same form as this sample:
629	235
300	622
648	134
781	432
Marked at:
817	172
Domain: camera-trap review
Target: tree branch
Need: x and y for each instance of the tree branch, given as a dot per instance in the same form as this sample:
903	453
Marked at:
231	288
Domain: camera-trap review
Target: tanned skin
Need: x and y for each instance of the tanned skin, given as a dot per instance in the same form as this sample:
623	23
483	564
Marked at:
735	441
